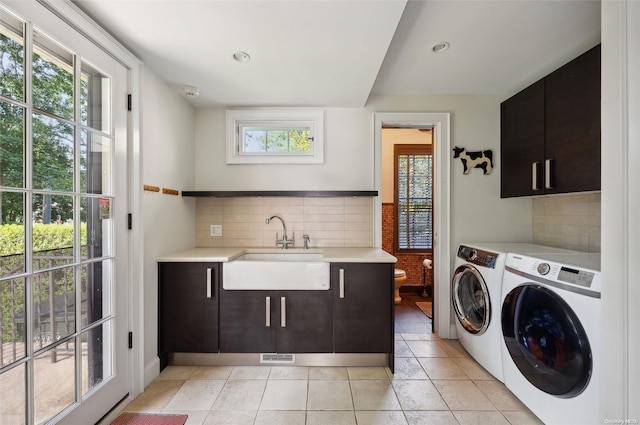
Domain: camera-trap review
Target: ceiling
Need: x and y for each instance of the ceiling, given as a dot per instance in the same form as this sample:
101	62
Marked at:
337	53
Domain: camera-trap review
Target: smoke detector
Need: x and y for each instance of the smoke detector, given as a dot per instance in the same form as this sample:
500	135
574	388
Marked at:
191	91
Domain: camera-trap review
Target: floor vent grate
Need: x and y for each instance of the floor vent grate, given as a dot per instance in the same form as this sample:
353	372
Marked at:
277	358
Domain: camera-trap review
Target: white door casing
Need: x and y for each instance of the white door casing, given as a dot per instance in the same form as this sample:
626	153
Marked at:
441	214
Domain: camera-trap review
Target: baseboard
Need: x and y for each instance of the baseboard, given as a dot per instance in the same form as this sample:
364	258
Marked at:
151	371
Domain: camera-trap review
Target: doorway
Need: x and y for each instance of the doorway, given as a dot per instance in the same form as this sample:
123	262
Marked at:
407	203
439	123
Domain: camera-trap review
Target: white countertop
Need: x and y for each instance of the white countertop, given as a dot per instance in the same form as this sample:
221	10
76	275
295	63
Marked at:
332	255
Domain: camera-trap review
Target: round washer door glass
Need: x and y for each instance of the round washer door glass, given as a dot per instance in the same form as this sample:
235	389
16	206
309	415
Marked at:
470	298
546	340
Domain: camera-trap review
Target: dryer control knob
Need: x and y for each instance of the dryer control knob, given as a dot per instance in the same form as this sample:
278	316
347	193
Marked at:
473	254
544	268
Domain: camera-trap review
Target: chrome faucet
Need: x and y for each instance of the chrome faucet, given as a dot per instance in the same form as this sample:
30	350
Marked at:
285	242
306	239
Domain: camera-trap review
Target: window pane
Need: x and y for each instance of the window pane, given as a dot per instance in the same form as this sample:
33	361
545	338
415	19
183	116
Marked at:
54	302
96	356
14	400
12	57
95	237
277	141
11	146
95	163
96	294
95	104
254	140
53	231
11	233
12	331
52	154
52	77
54	381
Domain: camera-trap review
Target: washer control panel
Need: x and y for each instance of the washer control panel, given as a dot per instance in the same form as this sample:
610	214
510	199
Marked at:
478	257
551	271
563	273
575	276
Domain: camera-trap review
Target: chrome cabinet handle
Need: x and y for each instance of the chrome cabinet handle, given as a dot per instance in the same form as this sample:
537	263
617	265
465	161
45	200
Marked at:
534	175
208	283
283	312
268	311
549	182
341	283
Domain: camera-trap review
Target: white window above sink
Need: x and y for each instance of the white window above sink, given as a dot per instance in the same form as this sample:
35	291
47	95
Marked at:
275	137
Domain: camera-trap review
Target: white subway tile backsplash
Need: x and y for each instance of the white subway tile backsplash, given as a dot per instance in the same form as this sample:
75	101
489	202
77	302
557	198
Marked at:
329	222
568	221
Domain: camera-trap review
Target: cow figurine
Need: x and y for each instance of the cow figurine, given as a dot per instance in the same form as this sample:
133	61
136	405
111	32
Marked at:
480	159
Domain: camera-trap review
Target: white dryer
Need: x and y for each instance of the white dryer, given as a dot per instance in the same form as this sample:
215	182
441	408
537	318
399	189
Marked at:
550	325
476	294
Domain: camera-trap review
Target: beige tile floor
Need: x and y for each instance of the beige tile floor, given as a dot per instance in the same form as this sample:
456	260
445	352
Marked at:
435	382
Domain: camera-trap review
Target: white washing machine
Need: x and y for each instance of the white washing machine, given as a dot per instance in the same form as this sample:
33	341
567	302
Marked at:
550	326
476	294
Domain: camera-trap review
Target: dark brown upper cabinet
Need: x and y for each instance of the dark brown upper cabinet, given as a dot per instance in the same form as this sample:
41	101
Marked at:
550	132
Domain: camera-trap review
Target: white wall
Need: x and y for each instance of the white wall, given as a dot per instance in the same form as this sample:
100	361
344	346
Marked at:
169	221
348	157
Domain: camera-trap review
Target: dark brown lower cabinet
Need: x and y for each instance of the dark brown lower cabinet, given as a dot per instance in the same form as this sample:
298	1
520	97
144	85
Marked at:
363	307
187	308
276	321
197	316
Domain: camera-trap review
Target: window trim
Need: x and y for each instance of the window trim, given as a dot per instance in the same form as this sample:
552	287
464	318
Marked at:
236	119
408	149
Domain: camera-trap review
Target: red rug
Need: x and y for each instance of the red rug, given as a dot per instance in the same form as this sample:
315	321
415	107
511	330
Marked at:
149	419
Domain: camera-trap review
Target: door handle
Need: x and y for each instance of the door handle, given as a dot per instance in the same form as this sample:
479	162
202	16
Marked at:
549	175
535	178
267	309
341	283
283	312
209	291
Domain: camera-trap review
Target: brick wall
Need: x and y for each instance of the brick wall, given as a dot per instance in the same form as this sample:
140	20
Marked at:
410	263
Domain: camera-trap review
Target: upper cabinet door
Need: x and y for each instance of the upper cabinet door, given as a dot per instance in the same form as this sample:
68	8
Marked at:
572	124
522	142
550	132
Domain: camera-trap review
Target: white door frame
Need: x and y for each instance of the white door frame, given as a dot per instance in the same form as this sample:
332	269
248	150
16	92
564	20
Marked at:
441	200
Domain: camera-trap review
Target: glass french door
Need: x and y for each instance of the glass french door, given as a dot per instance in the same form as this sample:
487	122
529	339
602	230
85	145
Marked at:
63	242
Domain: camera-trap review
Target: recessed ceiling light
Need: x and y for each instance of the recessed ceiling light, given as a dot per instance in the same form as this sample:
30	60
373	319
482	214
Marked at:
440	47
241	57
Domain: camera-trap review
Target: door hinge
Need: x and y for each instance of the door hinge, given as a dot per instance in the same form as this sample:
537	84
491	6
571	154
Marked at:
129	102
130	340
129	221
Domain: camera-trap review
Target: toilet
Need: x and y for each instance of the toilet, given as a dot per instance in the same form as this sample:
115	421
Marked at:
400	276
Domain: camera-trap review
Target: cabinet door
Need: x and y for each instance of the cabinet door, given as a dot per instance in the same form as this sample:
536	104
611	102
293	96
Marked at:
308	322
188	307
522	142
248	321
363	307
572	116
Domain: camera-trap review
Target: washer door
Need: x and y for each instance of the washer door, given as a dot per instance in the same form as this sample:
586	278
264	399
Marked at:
470	298
546	341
